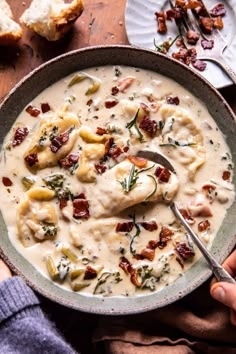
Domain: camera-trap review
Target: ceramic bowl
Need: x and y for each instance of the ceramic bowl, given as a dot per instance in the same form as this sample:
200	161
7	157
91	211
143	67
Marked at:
62	66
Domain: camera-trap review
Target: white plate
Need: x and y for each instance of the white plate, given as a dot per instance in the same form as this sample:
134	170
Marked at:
141	28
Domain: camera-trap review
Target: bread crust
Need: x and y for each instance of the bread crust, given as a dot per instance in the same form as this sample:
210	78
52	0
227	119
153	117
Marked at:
10	38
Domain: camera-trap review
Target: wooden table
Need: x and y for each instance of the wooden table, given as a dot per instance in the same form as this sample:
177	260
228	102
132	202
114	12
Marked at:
102	22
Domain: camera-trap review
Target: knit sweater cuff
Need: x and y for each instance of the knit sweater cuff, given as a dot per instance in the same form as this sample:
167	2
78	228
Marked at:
15	296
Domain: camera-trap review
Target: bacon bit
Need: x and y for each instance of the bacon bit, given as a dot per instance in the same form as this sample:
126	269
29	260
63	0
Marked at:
126	149
125	83
6	182
90	102
162	174
149	226
126	265
218	23
206	24
134	279
101	131
165	235
187	216
207	44
129	269
208	190
218	10
180	3
180	262
185	56
145	107
184	251
204	225
226	175
115	90
193	4
192	37
33	111
199	65
69	160
31	159
138	161
139	257
80	209
63	202
109	103
148	253
45	107
161	22
19	136
112	150
58	141
172	100
149	126
90	273
170	14
124	227
152	244
100	169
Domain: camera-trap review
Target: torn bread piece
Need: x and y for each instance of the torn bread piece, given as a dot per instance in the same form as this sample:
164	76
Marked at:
10	31
52	18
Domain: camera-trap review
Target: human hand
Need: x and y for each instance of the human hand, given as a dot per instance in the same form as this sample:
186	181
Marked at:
4	271
226	292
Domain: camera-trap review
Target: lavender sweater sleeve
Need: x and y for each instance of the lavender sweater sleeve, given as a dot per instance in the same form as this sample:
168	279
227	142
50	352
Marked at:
23	326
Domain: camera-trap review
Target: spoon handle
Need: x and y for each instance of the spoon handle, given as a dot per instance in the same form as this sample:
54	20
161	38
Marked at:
220	273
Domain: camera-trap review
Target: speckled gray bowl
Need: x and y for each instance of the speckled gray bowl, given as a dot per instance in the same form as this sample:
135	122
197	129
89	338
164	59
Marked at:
61	66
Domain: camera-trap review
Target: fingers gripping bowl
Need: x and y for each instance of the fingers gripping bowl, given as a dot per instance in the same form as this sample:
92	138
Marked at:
94	231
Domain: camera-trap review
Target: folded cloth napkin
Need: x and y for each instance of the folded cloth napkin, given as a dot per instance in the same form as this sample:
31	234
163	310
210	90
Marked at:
195	324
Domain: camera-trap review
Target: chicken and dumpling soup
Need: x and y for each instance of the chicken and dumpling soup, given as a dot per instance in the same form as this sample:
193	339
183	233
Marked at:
84	209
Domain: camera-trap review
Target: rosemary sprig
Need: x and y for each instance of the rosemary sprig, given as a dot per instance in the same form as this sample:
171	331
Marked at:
165	46
129	183
154	189
175	143
133	123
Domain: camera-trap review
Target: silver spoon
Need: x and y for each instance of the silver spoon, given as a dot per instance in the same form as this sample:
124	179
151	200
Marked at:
220	273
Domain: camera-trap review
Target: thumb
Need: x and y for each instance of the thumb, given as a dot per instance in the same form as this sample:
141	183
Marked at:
225	293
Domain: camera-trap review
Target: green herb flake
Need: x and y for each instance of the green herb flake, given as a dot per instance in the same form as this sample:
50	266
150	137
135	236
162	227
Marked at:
133	123
175	143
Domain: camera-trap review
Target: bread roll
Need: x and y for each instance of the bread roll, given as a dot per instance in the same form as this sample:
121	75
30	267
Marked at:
52	18
10	31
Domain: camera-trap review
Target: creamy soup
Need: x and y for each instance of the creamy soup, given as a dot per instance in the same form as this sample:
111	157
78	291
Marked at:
84	209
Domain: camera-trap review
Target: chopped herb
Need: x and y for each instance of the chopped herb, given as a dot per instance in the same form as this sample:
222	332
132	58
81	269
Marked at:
133	123
42	140
165	46
129	183
53	135
137	233
161	125
117	71
49	229
55	182
175	143
154	190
